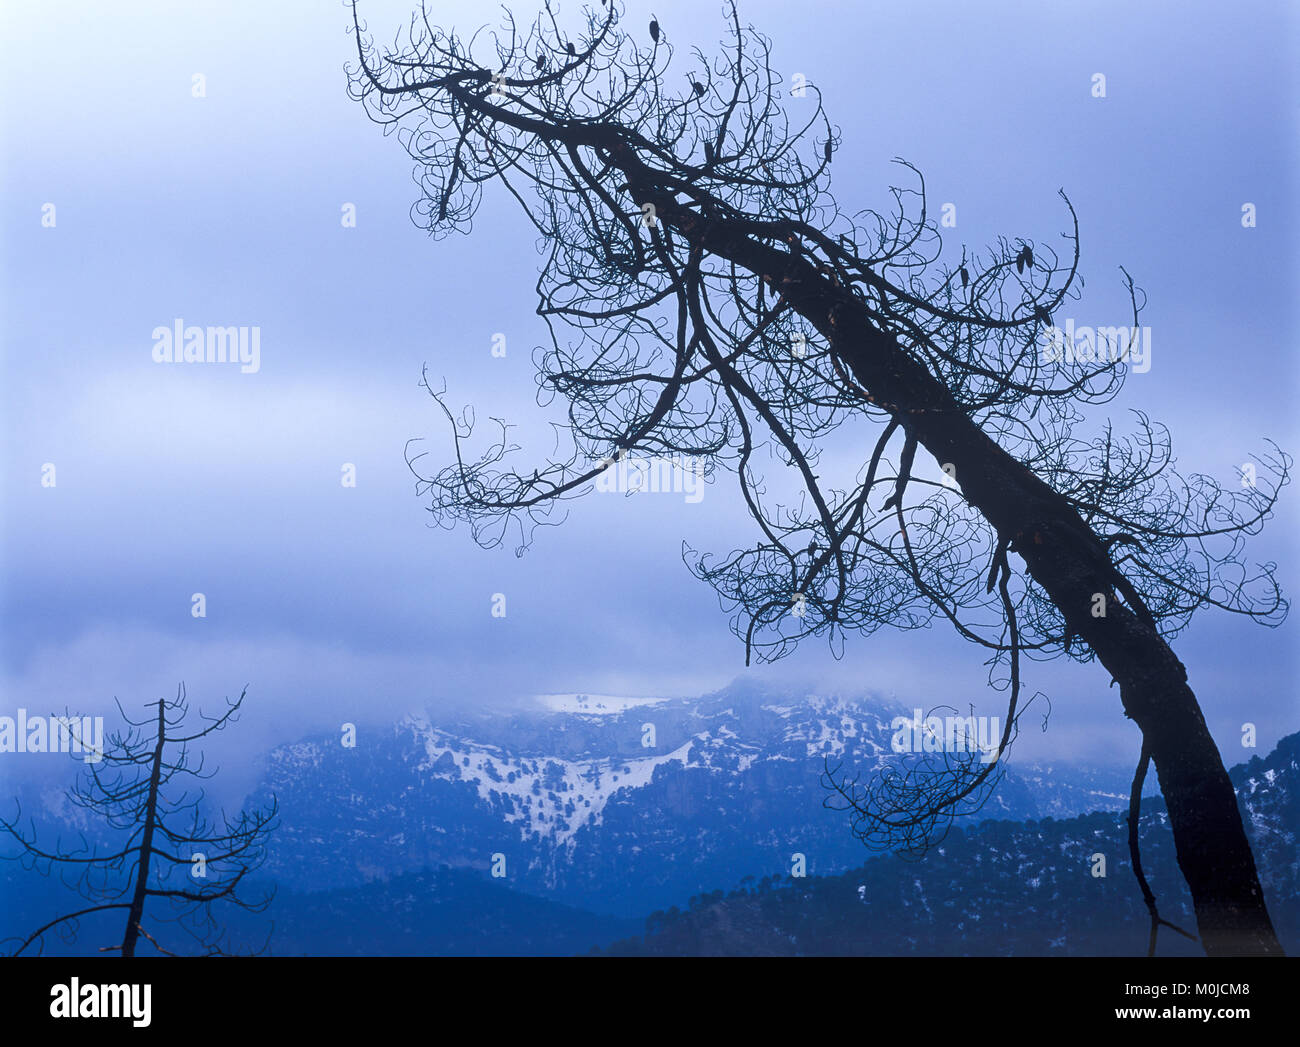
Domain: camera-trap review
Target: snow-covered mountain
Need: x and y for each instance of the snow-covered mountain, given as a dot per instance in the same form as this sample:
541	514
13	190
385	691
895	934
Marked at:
388	848
619	805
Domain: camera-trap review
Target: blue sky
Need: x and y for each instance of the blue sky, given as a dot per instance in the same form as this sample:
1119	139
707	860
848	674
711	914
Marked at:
337	603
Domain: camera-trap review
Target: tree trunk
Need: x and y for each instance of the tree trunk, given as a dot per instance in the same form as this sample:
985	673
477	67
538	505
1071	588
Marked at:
1060	552
136	912
1064	556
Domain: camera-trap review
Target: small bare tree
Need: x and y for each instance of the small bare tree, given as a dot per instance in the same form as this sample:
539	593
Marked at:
171	851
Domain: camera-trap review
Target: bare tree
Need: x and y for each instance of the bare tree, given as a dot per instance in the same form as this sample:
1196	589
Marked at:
707	297
171	850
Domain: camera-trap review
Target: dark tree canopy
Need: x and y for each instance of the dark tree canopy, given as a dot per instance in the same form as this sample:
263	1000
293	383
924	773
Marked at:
707	296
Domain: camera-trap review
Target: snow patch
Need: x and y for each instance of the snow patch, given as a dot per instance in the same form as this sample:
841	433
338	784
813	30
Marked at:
593	704
550	796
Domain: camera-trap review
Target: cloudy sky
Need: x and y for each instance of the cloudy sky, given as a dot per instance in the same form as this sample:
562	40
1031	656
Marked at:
335	603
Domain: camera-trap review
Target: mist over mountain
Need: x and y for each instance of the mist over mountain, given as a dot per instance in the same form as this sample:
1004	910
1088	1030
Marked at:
619	805
670	826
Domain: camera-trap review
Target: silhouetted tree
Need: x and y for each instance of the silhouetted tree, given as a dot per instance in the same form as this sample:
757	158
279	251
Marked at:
708	297
169	850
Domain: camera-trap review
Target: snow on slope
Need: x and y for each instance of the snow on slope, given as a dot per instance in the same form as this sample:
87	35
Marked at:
550	796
